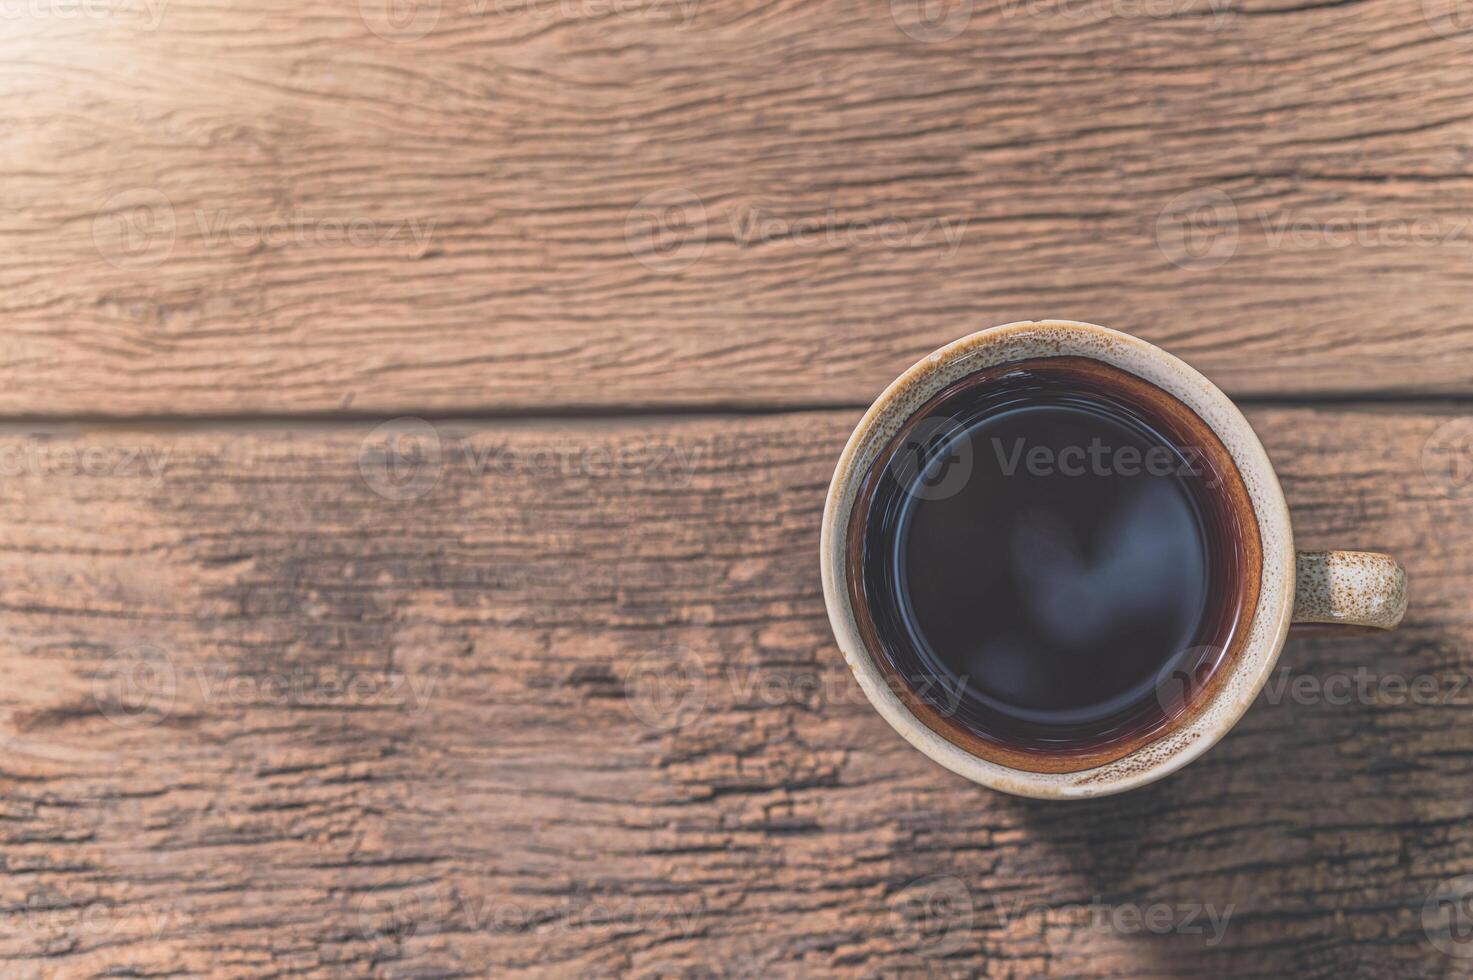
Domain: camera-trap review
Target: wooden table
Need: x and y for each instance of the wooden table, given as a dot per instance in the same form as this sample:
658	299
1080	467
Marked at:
417	421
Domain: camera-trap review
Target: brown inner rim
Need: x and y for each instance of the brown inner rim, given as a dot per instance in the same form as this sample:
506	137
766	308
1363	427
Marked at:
1178	418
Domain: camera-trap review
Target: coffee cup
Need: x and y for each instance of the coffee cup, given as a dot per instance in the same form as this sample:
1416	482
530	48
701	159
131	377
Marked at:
1067	640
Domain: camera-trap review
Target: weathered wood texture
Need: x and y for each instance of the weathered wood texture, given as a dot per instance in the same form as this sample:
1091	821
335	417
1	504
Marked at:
575	710
225	208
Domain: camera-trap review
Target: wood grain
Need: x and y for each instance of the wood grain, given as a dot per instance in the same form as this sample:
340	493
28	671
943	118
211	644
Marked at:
565	703
225	209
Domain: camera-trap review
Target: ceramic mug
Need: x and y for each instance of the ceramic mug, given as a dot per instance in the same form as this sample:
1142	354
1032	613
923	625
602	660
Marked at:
1344	588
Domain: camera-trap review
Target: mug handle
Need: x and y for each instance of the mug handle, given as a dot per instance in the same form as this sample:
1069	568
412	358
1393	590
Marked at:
1349	588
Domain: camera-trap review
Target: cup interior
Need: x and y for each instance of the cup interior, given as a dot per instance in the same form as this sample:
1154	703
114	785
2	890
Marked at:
1164	698
1203	704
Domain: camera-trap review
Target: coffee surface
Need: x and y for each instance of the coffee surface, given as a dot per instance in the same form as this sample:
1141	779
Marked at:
1041	557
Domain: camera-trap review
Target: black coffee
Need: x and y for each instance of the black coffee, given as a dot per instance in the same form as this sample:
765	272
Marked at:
1043	546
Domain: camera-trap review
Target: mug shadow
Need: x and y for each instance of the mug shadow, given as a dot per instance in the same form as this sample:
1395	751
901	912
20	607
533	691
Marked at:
1310	835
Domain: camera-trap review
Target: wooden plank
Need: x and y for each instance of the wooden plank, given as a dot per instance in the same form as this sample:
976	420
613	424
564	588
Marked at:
274	209
562	701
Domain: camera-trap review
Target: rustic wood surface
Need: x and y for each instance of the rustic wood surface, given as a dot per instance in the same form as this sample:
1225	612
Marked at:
276	207
573	709
559	699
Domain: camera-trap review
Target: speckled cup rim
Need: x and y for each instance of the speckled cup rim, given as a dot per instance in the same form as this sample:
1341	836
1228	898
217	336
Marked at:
1056	338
